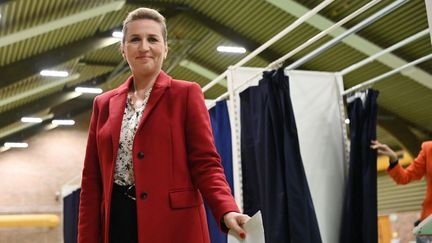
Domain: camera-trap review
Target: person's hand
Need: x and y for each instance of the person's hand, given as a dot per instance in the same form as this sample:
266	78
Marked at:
383	149
235	221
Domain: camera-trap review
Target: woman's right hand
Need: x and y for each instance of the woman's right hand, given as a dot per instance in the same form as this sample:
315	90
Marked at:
383	149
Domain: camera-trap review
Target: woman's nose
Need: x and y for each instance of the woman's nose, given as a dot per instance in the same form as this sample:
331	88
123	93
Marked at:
144	46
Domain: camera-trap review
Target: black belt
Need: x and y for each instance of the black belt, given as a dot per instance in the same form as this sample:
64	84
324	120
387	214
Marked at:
128	190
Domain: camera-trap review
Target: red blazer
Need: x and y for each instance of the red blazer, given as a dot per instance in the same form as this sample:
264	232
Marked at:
421	166
180	164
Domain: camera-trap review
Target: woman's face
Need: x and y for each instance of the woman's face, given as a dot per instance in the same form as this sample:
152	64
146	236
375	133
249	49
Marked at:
144	47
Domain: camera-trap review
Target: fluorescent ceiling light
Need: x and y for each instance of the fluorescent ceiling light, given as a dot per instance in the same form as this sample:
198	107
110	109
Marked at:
88	90
15	145
231	49
53	73
63	122
117	34
31	119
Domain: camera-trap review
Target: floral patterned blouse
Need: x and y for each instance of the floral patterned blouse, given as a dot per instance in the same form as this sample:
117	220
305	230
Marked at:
124	174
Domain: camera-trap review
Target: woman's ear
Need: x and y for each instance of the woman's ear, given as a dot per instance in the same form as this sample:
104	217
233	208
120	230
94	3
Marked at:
121	49
166	52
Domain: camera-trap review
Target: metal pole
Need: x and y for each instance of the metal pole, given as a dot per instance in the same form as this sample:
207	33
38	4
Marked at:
385	75
378	54
429	14
354	29
323	33
270	42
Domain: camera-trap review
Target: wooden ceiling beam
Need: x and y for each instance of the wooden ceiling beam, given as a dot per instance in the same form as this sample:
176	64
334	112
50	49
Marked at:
20	70
61	104
60	23
46	102
80	106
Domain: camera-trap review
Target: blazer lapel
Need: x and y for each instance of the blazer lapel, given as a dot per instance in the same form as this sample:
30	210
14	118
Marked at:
162	83
117	105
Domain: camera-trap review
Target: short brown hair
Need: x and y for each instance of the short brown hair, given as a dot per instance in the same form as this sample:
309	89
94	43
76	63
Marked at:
145	13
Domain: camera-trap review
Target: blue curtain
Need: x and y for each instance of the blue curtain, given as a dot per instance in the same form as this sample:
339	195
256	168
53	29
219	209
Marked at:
70	216
222	134
274	180
359	221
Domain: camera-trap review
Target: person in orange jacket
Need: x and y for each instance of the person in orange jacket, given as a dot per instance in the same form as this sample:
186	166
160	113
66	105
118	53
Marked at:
421	166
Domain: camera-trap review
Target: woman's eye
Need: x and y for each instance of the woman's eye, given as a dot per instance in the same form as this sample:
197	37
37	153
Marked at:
135	39
152	40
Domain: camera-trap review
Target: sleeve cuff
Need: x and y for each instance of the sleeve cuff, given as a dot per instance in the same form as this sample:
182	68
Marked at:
223	226
393	164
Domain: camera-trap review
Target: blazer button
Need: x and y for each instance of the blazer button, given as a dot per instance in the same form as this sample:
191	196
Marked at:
140	155
143	195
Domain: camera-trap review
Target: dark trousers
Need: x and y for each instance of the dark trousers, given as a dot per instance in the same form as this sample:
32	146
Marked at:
70	216
123	218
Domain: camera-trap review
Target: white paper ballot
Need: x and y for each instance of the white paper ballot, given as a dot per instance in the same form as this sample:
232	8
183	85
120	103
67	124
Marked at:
254	231
425	227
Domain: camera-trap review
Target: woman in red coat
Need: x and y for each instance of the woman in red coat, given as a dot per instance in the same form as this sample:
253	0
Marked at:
150	153
421	166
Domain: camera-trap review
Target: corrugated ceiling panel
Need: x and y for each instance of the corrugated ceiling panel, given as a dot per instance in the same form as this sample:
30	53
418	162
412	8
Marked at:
420	134
253	19
109	54
427	66
23	14
333	59
41	43
398	94
185	28
215	92
399	198
115	19
219	60
117	81
295	39
337	10
249	18
206	43
339	57
365	73
86	73
32	98
89	72
358	4
404	21
34	81
186	74
386	138
182	27
407	99
416	49
39	81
